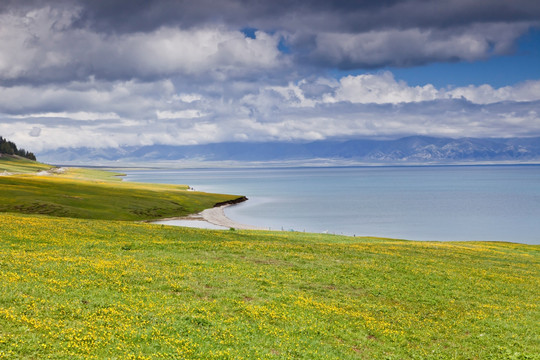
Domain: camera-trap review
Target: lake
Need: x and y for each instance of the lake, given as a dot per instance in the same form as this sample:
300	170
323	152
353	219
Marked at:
443	203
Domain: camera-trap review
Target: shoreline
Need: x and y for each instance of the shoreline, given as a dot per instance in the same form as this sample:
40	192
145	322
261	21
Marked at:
214	216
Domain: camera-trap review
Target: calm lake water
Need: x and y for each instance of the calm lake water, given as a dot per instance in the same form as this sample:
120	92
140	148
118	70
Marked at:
444	203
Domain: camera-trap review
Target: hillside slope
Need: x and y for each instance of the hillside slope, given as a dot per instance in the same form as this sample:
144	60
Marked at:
17	164
94	194
79	289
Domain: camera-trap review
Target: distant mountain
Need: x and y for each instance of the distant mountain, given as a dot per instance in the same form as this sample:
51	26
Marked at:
413	149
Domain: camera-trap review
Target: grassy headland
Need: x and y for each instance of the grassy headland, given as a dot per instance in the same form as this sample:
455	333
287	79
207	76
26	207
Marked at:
86	288
95	194
17	164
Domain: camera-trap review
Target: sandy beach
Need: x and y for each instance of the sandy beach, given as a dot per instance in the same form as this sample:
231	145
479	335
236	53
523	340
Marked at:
215	216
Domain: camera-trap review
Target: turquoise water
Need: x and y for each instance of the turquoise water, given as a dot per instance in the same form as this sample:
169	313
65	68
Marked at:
444	203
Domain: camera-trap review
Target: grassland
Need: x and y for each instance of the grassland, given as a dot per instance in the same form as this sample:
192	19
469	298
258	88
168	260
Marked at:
95	194
17	164
74	289
104	289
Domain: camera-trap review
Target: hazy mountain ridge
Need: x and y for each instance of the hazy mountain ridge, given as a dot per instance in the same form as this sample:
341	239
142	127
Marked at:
415	149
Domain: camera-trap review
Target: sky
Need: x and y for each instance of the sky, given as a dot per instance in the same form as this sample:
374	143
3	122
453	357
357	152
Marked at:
87	73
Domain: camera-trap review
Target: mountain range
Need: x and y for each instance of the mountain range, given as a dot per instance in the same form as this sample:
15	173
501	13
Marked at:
413	149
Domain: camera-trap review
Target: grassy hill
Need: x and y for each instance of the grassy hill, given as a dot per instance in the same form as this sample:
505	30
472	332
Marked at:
17	164
94	194
80	289
76	283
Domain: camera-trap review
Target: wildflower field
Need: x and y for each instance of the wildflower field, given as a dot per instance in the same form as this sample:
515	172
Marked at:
82	289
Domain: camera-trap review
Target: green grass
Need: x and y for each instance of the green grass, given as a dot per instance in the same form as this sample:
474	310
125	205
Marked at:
91	174
96	194
17	164
79	289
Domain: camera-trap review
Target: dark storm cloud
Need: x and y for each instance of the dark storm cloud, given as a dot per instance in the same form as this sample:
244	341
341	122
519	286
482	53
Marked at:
304	15
113	39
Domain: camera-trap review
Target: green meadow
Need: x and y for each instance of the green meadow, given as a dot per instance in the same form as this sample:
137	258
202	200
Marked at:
16	164
95	194
98	287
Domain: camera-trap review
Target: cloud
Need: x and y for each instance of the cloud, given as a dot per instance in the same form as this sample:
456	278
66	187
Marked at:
62	41
43	46
80	115
35	132
183	114
415	46
292	16
358	34
189	98
123	98
119	72
382	88
486	94
370	105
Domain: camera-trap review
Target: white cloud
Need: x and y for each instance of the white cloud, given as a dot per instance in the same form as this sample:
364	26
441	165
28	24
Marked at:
170	51
86	100
380	89
383	88
188	98
183	114
102	114
486	94
43	47
79	115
